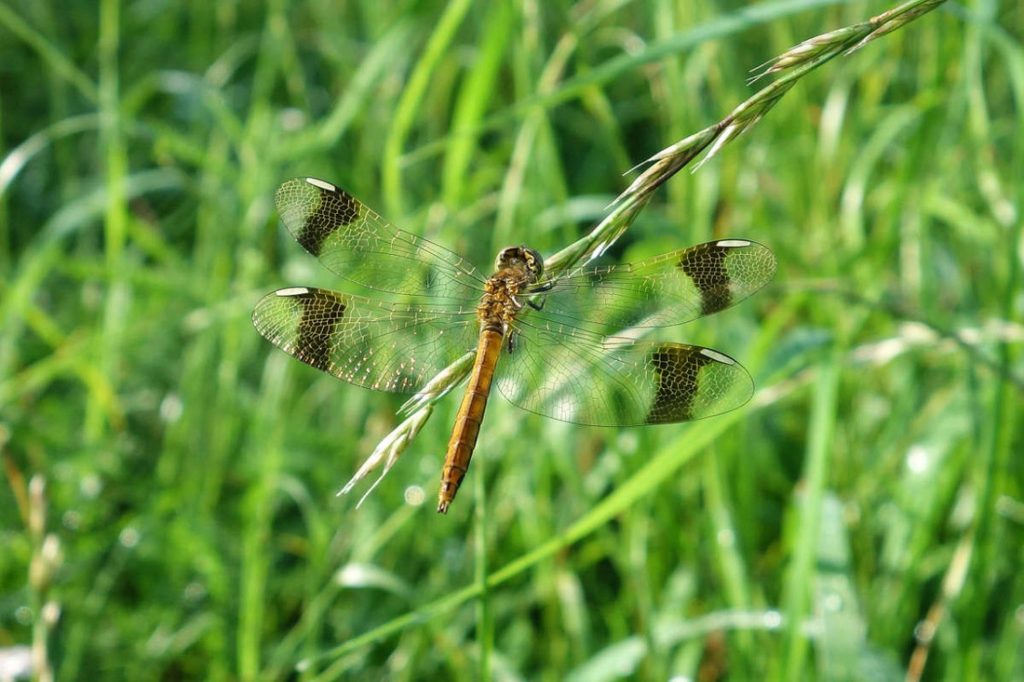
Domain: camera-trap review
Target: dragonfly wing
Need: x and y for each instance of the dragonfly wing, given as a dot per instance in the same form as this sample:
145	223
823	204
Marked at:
353	241
666	290
576	376
385	346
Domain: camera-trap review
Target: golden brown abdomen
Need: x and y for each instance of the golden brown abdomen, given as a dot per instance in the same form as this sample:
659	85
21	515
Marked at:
471	414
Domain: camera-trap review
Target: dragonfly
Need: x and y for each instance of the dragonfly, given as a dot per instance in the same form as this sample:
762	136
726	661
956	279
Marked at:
567	345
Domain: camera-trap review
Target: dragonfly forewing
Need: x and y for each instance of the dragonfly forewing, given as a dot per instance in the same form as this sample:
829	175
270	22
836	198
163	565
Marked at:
663	291
353	241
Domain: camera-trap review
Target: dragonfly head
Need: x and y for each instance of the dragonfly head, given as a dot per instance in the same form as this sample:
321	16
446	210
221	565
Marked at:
521	258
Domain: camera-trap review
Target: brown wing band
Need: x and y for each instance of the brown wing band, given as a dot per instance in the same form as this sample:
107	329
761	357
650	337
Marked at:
321	312
678	370
705	265
335	209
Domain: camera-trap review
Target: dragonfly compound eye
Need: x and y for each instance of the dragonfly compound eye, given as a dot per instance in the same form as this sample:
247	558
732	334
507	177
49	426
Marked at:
534	261
505	256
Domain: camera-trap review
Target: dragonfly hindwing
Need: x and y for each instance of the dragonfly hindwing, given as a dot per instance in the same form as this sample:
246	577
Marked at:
321	311
677	369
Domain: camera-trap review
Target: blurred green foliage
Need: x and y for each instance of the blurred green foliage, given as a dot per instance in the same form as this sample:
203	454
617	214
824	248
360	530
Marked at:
864	509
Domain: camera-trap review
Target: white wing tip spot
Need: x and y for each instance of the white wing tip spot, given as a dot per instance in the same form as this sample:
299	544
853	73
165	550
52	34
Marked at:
717	357
292	291
322	184
732	243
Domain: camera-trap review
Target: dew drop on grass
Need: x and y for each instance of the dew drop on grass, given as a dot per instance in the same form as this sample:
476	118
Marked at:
924	631
918	459
90	486
171	408
726	538
415	496
129	537
71	520
833	602
195	591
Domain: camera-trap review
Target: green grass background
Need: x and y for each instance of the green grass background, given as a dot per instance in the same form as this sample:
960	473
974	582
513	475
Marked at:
877	478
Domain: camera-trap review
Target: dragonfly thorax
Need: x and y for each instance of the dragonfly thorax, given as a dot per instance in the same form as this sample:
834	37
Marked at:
516	268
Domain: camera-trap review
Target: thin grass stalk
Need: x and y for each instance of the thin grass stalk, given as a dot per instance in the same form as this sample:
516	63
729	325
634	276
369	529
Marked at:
797	597
485	619
115	219
46	559
952	587
790	67
50	53
445	31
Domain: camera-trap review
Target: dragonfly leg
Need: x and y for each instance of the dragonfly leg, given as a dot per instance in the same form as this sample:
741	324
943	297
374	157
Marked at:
541	288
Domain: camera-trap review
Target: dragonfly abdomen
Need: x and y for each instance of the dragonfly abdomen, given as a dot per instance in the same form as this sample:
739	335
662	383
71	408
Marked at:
470	416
